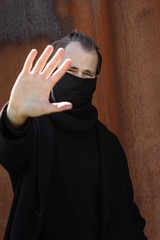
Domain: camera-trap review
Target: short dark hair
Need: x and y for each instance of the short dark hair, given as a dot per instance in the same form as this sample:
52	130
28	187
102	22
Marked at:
85	40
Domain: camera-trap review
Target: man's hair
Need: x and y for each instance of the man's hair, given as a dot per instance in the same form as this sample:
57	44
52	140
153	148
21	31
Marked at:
86	42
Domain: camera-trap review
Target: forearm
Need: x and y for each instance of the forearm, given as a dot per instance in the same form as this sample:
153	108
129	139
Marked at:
14	143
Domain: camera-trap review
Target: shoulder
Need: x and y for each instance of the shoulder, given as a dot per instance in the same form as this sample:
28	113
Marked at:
109	140
106	133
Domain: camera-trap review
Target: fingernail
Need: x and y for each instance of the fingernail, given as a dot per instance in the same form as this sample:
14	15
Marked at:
69	106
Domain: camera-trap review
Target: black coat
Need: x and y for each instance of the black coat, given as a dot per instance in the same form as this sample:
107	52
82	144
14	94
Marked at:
29	162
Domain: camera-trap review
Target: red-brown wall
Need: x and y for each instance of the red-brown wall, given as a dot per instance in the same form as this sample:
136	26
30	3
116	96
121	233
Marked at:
127	94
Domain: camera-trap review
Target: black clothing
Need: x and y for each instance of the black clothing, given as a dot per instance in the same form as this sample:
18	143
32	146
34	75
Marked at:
74	89
74	190
29	159
75	187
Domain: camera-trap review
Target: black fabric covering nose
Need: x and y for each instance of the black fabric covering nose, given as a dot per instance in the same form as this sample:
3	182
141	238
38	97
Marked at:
74	89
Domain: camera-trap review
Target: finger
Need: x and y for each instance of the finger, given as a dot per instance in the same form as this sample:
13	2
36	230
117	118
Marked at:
52	64
58	107
29	60
58	74
43	59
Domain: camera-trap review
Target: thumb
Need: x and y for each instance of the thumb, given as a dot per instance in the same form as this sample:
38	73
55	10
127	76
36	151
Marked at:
58	107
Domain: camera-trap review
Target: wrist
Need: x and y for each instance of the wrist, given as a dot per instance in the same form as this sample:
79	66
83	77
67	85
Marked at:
14	117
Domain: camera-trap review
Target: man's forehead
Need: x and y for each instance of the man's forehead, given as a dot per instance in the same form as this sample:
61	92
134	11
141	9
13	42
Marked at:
75	46
81	58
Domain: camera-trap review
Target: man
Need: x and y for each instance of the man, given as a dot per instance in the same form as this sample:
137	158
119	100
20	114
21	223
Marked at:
68	171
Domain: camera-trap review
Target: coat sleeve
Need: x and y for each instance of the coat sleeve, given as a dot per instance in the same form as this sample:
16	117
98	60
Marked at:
15	144
124	208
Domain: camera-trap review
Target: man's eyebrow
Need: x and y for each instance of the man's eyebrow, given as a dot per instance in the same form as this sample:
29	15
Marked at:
73	67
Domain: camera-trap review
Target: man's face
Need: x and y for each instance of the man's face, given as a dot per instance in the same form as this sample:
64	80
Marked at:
84	63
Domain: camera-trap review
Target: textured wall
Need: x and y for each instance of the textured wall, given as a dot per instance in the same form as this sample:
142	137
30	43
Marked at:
127	94
136	30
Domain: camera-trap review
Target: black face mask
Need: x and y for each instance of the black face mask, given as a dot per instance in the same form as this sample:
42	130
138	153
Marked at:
74	89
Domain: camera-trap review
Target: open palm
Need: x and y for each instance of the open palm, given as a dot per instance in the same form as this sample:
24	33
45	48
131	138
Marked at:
30	93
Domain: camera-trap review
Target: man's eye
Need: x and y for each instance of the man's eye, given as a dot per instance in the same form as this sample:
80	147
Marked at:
71	70
88	75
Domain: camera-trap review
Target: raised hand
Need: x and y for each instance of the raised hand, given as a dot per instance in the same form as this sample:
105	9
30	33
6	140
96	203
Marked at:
30	93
